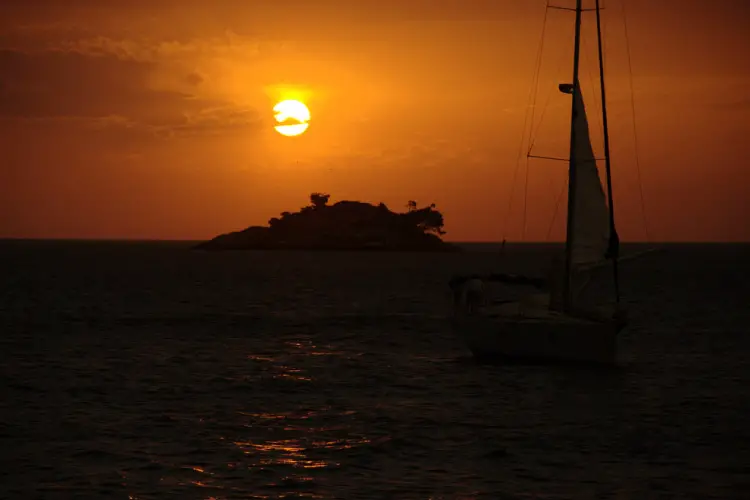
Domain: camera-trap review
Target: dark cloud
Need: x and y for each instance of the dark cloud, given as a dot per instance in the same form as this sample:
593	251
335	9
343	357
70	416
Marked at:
123	132
194	79
217	120
208	121
211	121
110	92
59	83
362	9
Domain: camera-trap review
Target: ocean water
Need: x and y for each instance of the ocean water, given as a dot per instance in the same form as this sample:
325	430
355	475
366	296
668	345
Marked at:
146	370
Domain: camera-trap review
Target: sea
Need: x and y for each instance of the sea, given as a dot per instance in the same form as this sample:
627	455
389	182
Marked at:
147	370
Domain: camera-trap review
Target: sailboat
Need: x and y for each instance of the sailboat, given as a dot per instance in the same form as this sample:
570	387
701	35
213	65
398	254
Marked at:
553	325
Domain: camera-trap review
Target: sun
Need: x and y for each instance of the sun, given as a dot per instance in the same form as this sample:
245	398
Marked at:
292	118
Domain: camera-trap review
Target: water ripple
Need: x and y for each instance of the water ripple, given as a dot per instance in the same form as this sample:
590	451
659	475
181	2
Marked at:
152	374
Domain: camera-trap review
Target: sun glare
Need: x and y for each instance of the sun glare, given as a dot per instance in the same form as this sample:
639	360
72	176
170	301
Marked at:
292	118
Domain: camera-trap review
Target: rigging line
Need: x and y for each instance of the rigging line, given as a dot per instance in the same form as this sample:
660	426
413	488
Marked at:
603	21
525	198
529	110
533	133
597	99
537	73
556	209
635	132
535	87
544	109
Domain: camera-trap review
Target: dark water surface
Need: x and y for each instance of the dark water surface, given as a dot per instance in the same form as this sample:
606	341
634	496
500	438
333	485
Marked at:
145	370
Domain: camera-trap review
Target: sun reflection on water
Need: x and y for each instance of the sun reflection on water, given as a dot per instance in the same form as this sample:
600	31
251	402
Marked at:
288	450
308	348
279	370
283	452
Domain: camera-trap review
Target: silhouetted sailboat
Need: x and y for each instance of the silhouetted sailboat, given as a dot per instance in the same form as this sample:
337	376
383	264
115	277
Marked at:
554	325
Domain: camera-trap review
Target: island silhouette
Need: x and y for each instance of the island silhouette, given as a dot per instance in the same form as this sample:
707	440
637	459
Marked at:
345	225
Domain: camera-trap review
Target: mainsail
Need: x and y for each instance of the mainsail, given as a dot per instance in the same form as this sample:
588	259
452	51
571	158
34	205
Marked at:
590	234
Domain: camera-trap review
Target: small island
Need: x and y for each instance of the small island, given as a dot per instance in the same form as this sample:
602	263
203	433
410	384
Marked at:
346	225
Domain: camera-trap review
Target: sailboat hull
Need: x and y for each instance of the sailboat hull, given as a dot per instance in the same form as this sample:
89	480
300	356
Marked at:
529	338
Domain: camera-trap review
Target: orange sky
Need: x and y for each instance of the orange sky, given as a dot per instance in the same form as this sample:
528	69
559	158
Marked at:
153	119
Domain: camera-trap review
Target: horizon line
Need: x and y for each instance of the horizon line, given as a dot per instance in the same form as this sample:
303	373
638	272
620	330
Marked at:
457	242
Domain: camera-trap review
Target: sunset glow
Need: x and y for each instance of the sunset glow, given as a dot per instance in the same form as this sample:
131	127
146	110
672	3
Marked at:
180	120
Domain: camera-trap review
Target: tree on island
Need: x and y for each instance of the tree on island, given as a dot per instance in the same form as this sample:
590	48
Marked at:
319	200
428	219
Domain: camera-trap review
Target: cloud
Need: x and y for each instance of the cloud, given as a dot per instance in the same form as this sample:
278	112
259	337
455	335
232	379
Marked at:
207	121
210	121
217	120
60	84
194	79
146	49
148	86
369	10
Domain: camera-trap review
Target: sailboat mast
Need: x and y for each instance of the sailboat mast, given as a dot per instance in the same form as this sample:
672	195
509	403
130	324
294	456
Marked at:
614	241
572	167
